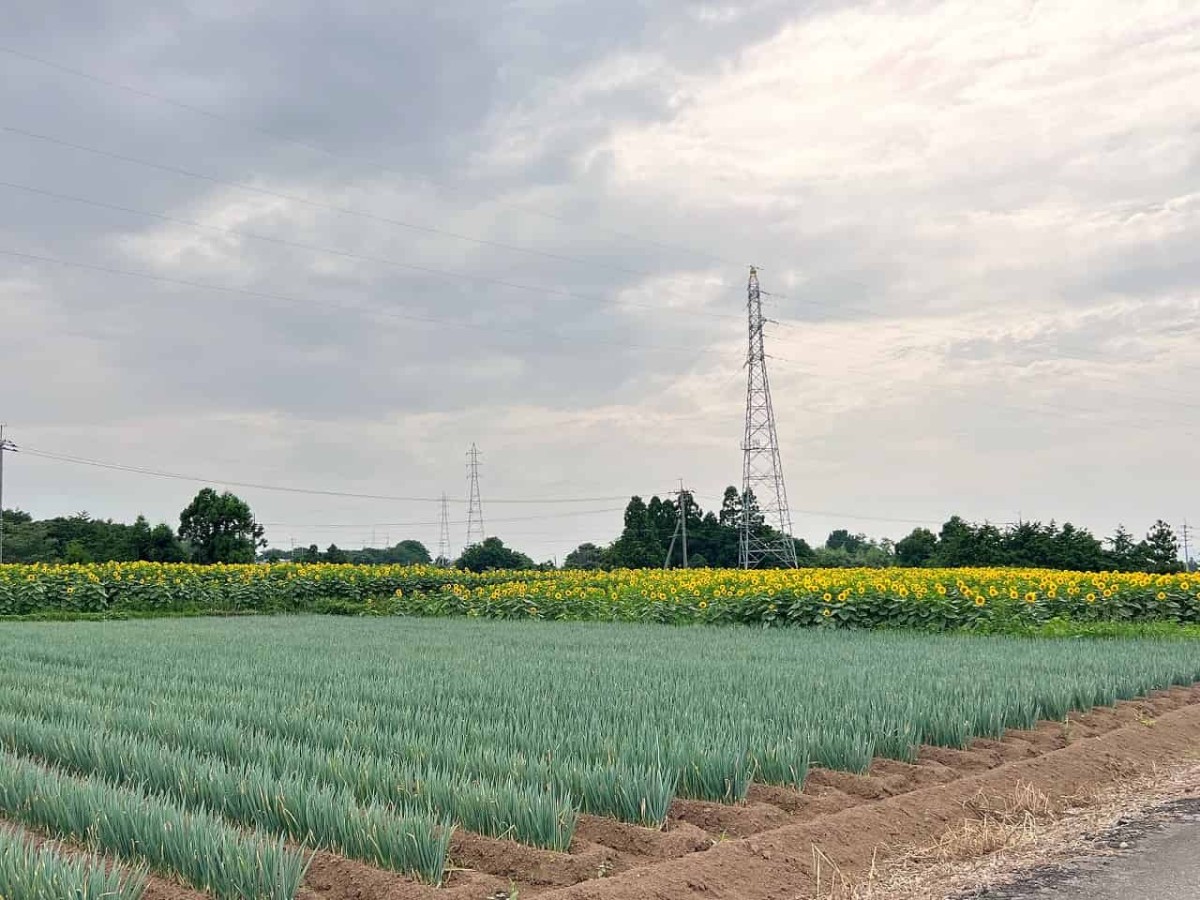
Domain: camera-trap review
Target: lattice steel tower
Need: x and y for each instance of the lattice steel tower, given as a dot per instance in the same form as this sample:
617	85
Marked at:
764	496
443	554
475	533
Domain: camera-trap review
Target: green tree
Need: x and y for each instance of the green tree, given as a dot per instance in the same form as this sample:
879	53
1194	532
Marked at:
405	553
1078	549
157	544
586	556
1161	548
638	547
76	553
918	549
490	555
334	555
841	539
220	528
1124	553
962	544
309	554
662	515
731	508
26	541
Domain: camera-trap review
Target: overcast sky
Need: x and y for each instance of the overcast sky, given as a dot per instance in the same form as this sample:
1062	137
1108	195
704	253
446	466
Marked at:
978	222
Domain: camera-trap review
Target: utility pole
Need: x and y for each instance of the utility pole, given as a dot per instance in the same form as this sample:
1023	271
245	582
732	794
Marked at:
6	446
1187	552
443	554
764	496
475	533
680	527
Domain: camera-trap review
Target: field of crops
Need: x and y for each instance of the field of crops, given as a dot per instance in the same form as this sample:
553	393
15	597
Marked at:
219	751
932	599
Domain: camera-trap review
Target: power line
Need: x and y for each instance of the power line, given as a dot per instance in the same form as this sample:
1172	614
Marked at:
429	524
548	291
341	157
156	473
840	306
833	514
342	210
344	254
340	307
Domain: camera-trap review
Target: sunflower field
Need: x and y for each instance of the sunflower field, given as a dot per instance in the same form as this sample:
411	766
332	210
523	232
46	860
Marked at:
928	599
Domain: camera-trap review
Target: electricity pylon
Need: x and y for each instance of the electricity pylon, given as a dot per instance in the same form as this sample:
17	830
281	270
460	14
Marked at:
443	554
681	515
475	533
764	496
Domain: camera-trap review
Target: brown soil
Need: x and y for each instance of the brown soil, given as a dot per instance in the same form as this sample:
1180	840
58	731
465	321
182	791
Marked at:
332	877
677	839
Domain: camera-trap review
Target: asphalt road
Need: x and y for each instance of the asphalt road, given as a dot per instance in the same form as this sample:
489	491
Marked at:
1157	858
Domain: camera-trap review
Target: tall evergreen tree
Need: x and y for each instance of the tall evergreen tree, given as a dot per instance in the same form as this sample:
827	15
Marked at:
1162	548
639	546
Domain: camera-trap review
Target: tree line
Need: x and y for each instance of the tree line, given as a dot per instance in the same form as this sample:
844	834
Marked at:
713	541
213	528
220	528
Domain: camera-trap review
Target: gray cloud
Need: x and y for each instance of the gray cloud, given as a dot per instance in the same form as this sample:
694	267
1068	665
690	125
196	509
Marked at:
978	225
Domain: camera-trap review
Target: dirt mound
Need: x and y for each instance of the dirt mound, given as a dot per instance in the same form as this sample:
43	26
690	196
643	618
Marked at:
678	839
332	877
784	862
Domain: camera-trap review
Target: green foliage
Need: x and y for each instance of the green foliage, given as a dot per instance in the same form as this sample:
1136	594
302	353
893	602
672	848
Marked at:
714	537
586	557
220	528
193	845
995	600
1161	549
492	555
405	553
1035	545
416	721
256	793
917	549
640	544
31	873
82	539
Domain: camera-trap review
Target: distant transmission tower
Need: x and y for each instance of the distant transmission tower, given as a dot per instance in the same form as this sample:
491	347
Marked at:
764	497
443	554
475	533
681	515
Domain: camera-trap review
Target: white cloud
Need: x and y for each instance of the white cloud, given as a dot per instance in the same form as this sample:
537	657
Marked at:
983	217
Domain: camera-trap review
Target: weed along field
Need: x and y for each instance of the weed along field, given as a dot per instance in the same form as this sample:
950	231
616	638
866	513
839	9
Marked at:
459	756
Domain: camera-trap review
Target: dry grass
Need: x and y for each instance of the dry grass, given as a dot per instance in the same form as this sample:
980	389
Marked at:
1001	838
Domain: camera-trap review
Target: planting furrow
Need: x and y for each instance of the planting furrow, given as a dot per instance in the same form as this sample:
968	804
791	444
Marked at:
193	845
